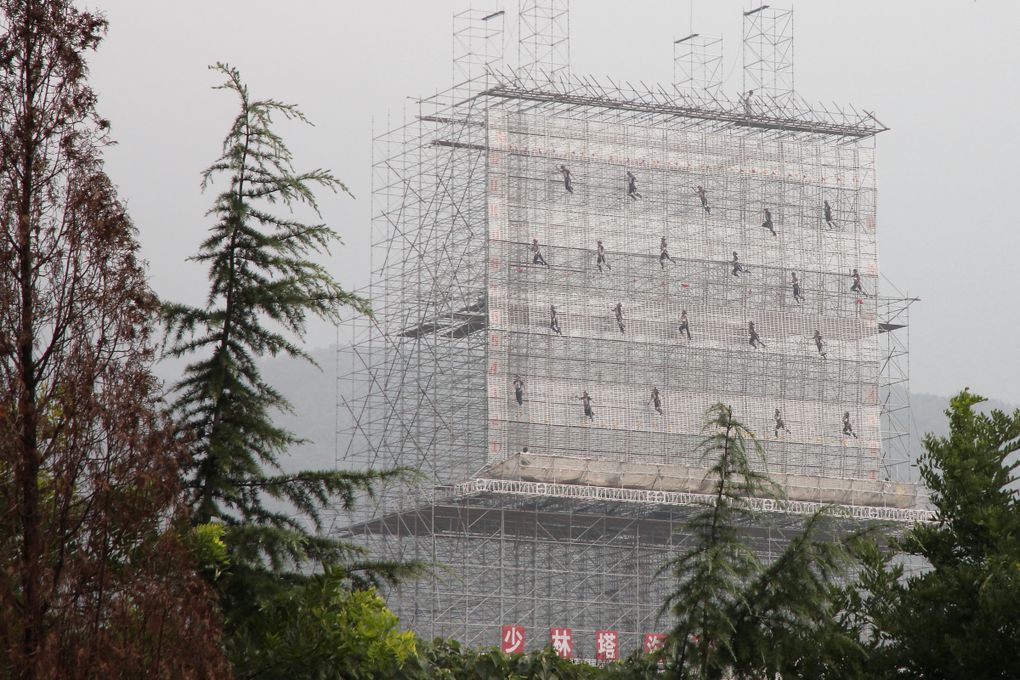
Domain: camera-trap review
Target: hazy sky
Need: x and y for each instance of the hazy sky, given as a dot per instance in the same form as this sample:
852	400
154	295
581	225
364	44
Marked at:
942	75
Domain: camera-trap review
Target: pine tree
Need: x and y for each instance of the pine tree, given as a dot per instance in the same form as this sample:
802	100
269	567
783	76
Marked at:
958	617
264	285
736	616
96	575
711	575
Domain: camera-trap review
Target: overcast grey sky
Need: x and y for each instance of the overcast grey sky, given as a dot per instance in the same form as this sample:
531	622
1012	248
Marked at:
942	75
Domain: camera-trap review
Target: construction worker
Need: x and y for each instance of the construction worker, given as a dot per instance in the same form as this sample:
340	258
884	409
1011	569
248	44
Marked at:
618	310
848	429
754	339
537	259
519	390
746	100
655	400
738	268
601	257
828	215
554	322
700	191
819	344
664	253
684	325
796	287
568	182
586	402
632	191
856	287
768	222
780	424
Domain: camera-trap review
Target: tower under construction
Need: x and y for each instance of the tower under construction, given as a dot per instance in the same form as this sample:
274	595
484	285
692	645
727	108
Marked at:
566	273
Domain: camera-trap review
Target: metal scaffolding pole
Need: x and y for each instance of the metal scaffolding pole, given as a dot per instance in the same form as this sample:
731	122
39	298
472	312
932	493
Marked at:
565	271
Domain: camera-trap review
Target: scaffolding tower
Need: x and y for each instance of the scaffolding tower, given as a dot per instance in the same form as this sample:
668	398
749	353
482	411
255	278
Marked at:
540	237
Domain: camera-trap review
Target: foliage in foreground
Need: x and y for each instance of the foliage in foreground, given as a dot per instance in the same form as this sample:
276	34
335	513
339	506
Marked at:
322	629
96	580
958	617
447	660
955	618
735	615
264	283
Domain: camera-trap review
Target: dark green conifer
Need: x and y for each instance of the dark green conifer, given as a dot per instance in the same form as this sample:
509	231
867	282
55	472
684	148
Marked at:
264	286
736	615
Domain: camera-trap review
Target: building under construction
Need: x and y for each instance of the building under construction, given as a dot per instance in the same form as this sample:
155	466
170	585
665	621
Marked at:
567	272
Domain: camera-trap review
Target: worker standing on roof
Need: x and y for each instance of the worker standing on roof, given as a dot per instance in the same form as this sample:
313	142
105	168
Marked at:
746	99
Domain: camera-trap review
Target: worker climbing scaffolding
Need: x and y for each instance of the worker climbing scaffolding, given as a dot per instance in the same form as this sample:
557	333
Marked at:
738	268
700	191
600	256
856	286
754	339
780	423
656	401
684	325
820	344
632	191
568	179
768	222
664	253
537	253
827	210
554	321
586	402
848	429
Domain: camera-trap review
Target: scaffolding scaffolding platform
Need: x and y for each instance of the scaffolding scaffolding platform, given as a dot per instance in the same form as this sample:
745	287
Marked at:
519	263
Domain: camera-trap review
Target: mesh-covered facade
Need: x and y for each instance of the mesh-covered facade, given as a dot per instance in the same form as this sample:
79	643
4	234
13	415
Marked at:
666	255
539	240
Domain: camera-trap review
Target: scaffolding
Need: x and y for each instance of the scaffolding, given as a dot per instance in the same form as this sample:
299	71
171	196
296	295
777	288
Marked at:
768	56
540	237
698	64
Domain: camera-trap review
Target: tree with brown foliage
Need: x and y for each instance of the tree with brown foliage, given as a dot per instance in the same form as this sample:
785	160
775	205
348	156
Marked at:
96	577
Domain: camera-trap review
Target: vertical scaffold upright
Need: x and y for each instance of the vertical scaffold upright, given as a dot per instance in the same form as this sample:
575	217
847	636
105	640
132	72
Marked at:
539	237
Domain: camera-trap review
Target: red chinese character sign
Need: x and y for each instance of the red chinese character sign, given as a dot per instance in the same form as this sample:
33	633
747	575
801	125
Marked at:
654	642
562	640
607	645
512	641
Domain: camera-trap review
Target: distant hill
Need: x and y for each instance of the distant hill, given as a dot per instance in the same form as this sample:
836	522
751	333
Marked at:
313	394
